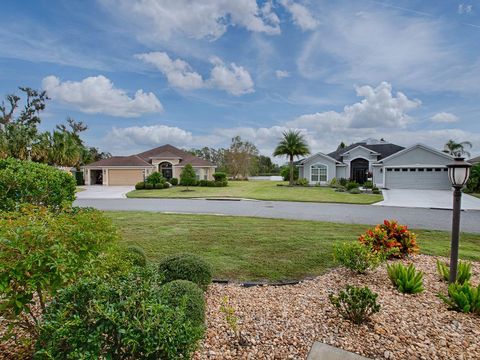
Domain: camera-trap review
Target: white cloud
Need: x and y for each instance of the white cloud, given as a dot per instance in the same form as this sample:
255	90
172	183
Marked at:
97	95
231	78
301	15
178	72
196	19
465	9
444	117
280	74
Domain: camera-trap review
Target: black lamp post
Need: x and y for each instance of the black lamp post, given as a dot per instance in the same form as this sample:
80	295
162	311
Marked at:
458	173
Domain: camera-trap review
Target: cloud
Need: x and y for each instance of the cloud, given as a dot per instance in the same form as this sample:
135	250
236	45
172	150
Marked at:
444	117
379	108
178	72
465	9
208	19
231	78
280	74
97	95
301	15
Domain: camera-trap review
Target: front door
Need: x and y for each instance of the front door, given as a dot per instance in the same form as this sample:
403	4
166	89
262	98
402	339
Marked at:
359	170
165	168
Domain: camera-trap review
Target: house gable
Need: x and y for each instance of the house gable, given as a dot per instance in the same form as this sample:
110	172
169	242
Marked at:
418	154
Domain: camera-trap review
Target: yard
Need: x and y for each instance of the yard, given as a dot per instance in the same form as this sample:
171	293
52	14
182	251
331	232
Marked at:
243	248
261	190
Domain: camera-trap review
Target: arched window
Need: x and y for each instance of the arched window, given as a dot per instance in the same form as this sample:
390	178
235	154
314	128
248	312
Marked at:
318	173
165	168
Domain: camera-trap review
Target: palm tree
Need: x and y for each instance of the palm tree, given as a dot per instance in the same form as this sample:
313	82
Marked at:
457	149
293	144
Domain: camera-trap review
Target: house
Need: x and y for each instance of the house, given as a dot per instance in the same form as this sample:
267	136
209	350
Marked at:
388	165
129	170
475	160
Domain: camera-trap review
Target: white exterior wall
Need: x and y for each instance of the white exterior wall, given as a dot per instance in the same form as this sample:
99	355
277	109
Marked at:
377	172
341	172
319	159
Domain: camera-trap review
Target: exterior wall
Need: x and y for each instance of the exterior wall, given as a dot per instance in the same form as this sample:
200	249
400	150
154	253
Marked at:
377	172
341	172
155	162
359	152
201	171
418	156
320	159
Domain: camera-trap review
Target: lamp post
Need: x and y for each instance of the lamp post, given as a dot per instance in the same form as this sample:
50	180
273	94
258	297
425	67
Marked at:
458	173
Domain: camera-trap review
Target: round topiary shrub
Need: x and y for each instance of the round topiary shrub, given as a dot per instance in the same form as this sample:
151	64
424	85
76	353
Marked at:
188	294
148	186
136	255
355	191
174	181
166	185
140	186
186	267
159	186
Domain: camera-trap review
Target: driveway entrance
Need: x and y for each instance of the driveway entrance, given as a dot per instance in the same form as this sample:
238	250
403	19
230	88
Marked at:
104	192
433	199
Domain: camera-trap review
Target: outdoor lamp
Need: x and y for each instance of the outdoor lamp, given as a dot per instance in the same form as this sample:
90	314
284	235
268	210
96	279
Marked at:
458	173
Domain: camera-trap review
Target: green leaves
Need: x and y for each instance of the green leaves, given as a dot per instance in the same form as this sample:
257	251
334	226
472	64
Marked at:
356	257
356	304
464	271
463	297
405	278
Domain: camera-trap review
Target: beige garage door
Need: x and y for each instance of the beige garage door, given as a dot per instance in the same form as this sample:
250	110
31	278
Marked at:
124	176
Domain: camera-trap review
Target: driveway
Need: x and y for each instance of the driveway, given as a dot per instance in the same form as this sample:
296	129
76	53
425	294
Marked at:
342	213
431	199
104	192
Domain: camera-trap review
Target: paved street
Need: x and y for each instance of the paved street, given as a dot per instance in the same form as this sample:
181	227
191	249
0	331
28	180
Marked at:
358	214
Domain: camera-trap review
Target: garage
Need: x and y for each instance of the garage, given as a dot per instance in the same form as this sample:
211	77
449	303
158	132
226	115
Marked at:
422	178
124	176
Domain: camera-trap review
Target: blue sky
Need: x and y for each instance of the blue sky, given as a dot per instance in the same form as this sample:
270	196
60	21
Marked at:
193	74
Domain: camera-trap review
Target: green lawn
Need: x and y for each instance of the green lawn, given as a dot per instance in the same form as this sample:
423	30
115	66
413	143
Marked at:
261	190
477	195
79	189
244	248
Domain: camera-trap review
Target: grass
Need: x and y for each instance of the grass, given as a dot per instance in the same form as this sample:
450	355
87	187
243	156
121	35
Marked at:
244	248
261	190
476	195
79	189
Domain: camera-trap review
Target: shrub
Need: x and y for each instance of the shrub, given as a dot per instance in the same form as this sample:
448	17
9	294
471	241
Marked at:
356	304
352	185
136	255
174	181
41	252
186	267
391	238
140	186
340	188
343	181
155	178
463	297
356	257
79	178
368	184
159	186
405	278
117	318
220	183
188	176
355	191
166	185
185	293
219	176
285	173
148	186
33	183
464	271
376	191
333	183
302	182
204	183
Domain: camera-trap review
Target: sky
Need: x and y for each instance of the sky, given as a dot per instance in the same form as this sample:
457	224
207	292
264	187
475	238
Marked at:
197	73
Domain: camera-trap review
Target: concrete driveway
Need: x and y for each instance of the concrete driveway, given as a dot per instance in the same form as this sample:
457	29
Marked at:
104	192
432	199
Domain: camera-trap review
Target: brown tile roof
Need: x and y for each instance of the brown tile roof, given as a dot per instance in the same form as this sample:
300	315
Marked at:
169	151
132	160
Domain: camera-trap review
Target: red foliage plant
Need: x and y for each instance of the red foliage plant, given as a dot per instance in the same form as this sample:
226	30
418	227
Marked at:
391	239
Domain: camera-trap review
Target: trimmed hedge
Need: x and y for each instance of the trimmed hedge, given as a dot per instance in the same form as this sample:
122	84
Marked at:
183	292
186	267
140	185
34	183
174	181
136	255
220	176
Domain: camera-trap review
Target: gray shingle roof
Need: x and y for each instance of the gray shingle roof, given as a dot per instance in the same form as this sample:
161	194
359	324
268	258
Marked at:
384	150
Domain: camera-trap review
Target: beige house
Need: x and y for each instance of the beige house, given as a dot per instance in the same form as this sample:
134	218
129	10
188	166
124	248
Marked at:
129	170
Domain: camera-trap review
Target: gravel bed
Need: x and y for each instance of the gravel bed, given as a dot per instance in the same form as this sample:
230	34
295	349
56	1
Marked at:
283	322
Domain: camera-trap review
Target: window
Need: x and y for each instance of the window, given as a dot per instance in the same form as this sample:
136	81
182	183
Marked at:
421	169
404	169
413	169
318	173
438	169
388	169
429	169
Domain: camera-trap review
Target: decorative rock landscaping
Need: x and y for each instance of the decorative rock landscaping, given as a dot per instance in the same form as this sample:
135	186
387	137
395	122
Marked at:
283	322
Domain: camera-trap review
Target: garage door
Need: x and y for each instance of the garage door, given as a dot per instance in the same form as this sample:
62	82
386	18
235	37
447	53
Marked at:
124	176
426	178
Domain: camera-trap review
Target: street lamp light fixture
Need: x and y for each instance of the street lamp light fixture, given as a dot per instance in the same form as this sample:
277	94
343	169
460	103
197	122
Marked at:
458	173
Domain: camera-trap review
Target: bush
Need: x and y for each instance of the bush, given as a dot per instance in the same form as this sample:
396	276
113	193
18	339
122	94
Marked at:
79	178
140	186
376	191
117	318
405	278
355	191
356	304
220	183
188	176
463	297
149	186
33	183
205	183
185	293
391	238
368	184
285	173
356	257
136	255
166	185
41	252
343	181
464	271
340	188
174	181
159	186
186	267
155	178
352	185
220	176
302	182
333	183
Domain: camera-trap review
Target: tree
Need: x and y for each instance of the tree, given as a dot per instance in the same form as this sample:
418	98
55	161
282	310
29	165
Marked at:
457	149
293	144
215	156
240	157
341	146
265	165
188	176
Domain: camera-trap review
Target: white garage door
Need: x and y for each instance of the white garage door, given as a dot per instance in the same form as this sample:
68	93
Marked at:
428	178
